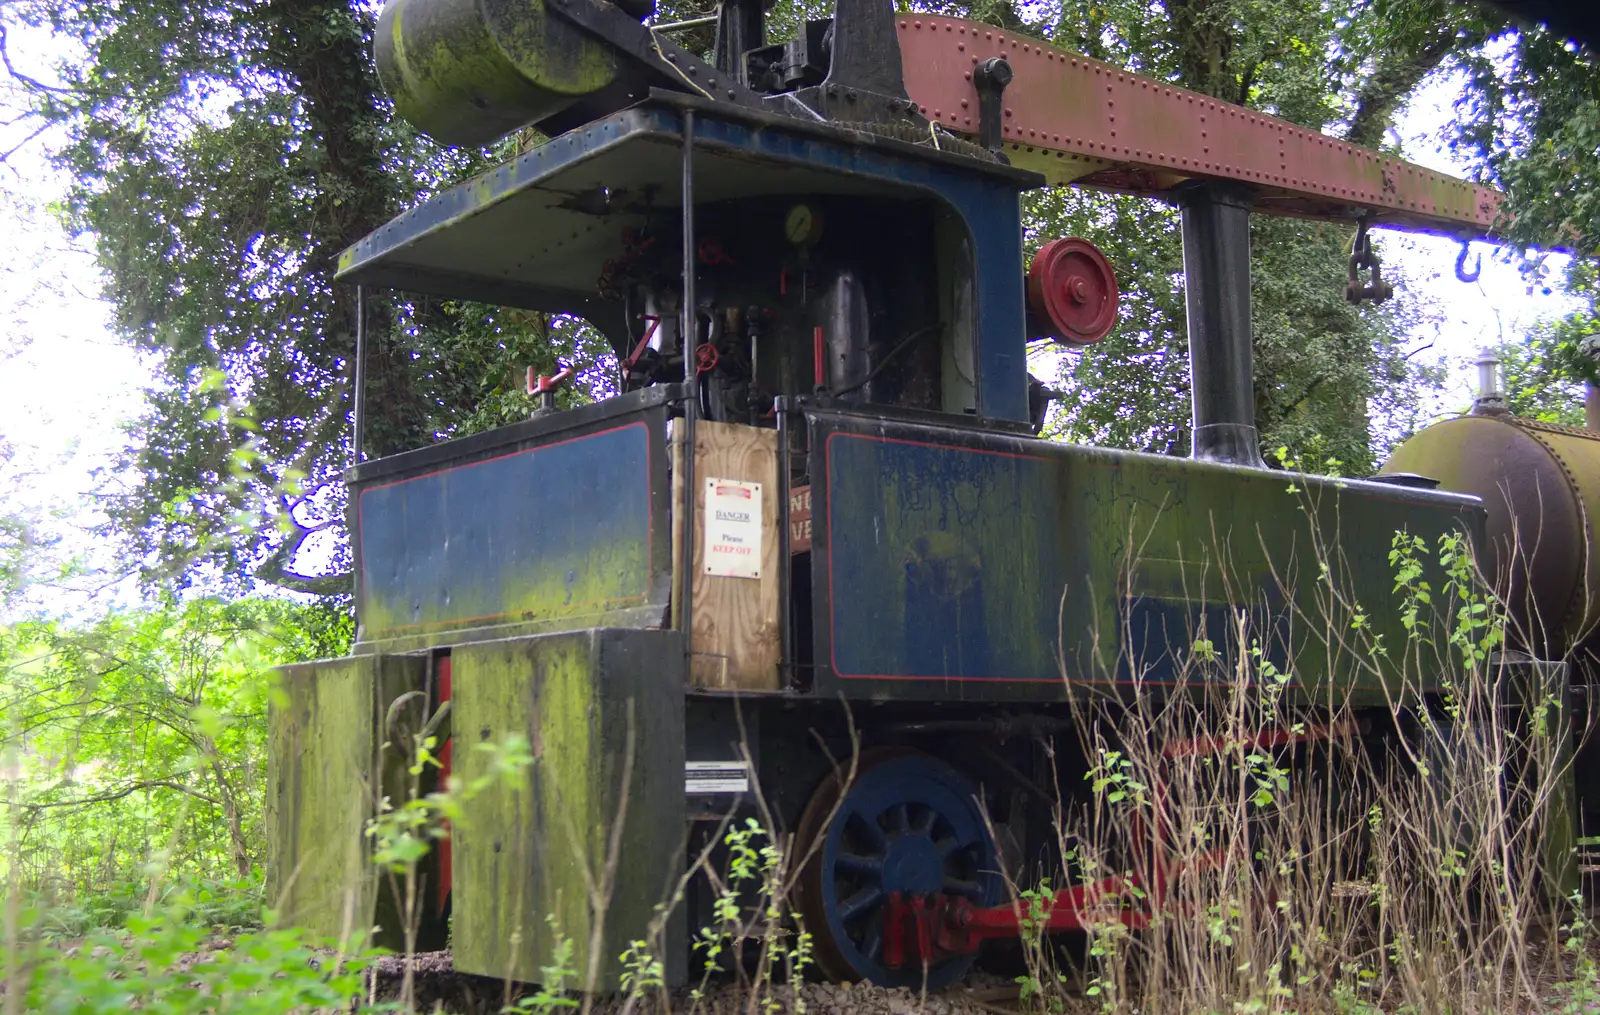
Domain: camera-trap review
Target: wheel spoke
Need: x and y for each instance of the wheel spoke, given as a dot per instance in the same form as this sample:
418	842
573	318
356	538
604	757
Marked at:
872	941
924	823
859	903
855	863
899	818
958	886
947	845
869	830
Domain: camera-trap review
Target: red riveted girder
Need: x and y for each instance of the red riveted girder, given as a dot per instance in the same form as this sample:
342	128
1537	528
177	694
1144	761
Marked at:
1080	121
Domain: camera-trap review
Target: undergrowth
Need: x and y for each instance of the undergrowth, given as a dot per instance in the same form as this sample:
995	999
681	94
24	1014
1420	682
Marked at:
1248	839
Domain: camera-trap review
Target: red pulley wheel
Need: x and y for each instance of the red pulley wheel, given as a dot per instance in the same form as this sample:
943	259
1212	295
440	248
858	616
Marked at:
1072	292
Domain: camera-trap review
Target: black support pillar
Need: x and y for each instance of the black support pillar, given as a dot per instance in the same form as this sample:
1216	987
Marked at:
1216	269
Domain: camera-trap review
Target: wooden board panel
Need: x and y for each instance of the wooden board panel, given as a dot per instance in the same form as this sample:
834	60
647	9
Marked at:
327	770
528	845
735	637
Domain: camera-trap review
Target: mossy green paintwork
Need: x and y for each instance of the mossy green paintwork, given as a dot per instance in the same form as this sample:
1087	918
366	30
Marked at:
559	536
958	564
469	71
522	850
328	768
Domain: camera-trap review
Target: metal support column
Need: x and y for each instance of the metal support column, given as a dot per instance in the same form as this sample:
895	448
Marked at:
1216	269
688	338
780	409
358	382
741	27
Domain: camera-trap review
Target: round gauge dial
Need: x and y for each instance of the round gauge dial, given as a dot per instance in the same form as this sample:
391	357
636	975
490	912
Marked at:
802	227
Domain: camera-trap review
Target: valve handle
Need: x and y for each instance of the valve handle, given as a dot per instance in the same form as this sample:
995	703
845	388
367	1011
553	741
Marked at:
539	384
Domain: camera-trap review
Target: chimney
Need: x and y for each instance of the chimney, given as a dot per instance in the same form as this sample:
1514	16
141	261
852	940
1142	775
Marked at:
1490	399
1216	271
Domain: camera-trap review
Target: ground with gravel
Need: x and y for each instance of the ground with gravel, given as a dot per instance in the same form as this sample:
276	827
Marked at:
439	988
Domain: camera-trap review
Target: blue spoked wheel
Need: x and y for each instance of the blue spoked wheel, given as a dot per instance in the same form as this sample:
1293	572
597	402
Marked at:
908	826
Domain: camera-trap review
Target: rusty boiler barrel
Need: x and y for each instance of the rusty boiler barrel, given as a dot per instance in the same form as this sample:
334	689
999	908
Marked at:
466	72
1541	487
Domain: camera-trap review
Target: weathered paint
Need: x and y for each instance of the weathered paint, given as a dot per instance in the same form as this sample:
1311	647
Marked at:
557	532
327	771
1541	486
963	565
1063	106
467	72
522	848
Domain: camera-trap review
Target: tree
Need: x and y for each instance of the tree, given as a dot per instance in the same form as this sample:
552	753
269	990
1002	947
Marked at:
1531	121
142	734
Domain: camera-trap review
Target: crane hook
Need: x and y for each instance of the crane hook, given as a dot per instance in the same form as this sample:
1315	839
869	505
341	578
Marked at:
1461	264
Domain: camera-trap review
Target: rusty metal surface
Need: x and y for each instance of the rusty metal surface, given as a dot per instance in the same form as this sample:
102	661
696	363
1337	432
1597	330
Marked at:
1081	121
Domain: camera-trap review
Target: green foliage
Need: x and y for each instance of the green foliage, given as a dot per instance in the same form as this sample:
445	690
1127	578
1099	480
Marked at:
1531	121
403	832
751	904
551	994
167	962
1332	381
141	736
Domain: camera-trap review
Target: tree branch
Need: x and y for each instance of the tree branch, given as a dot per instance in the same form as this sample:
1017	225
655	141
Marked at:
277	570
25	80
1399	71
6	155
136	787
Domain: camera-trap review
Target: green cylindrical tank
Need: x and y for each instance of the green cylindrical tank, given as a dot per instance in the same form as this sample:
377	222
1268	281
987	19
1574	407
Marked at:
467	72
1541	486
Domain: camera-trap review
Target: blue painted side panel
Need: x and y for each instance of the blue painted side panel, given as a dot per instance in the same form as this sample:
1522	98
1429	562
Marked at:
933	573
950	565
562	530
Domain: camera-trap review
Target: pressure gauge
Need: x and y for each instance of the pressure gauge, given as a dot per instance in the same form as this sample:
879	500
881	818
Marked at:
802	227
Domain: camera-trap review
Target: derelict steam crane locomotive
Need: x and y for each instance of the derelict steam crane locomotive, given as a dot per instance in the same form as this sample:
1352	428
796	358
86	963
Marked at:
819	480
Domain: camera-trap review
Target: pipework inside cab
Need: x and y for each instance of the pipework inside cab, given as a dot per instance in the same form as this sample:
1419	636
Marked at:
863	299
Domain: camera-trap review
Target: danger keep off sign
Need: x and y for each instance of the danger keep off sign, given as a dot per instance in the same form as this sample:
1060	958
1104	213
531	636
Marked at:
733	528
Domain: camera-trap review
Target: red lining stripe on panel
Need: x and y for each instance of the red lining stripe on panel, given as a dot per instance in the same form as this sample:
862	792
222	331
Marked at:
650	530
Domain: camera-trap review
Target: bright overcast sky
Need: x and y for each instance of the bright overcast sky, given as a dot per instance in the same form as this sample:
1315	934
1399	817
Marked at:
66	383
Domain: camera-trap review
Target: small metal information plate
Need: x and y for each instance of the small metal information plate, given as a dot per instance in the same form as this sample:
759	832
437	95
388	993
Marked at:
701	778
733	528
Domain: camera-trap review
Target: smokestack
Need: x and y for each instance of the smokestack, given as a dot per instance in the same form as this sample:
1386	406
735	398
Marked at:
1591	406
1491	398
1216	270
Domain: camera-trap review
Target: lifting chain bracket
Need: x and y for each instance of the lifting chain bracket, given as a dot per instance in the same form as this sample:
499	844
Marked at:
990	79
1362	256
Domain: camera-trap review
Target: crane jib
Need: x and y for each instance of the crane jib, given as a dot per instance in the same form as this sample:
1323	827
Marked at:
1082	122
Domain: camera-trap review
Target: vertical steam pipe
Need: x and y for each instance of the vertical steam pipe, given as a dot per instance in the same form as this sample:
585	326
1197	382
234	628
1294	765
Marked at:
780	409
1216	270
358	382
688	340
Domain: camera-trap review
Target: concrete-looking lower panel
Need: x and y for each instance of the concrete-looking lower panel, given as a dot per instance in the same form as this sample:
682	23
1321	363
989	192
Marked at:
527	851
327	771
